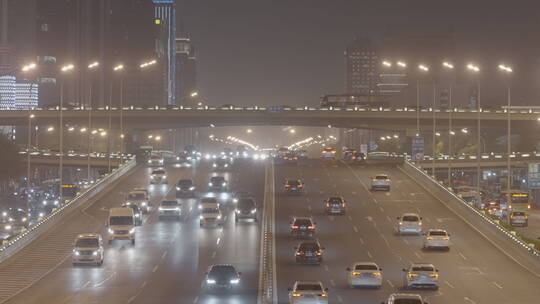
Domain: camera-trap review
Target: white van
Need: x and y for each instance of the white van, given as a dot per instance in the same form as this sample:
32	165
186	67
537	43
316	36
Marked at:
121	224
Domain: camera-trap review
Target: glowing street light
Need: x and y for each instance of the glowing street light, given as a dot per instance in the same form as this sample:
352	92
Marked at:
118	67
29	67
50	129
93	65
194	94
448	65
249	131
292	131
401	64
473	67
505	68
147	63
464	131
67	68
387	63
423	67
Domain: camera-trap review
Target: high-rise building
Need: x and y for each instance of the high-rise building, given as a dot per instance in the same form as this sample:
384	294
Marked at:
186	71
362	63
165	18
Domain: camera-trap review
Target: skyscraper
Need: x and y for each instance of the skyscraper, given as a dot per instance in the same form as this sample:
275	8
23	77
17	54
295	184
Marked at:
165	18
186	71
362	67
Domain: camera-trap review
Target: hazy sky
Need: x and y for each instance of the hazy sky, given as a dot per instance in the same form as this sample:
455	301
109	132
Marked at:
291	51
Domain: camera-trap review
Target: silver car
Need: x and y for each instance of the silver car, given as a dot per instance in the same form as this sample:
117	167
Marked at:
518	218
88	249
170	208
421	276
409	223
158	176
437	238
380	182
365	274
308	293
402	298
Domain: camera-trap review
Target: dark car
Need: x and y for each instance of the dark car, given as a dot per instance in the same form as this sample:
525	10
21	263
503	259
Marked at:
290	159
294	186
302	227
309	252
335	205
221	164
217	183
241	194
185	187
246	209
137	213
358	158
222	276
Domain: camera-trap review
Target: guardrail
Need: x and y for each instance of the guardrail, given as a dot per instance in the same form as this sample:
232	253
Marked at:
464	210
19	242
267	293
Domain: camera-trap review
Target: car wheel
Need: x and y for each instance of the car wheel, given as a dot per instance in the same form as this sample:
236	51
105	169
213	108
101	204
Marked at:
133	242
110	242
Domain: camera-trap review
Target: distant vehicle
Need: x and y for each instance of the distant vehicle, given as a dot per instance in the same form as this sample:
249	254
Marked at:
142	156
405	298
208	202
158	176
380	181
358	158
210	215
121	224
302	227
354	100
246	208
437	238
170	208
308	252
137	213
88	248
377	156
282	151
222	276
348	154
421	276
335	205
69	191
290	159
140	198
328	153
241	194
221	164
156	160
518	218
365	274
185	187
519	200
466	192
217	183
302	154
409	223
294	186
308	293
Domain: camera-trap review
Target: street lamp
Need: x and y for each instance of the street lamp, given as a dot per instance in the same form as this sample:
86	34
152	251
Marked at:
249	131
387	63
194	94
120	68
449	66
65	69
475	69
508	70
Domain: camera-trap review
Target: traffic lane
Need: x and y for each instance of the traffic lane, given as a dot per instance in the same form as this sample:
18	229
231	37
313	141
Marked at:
66	281
482	262
236	244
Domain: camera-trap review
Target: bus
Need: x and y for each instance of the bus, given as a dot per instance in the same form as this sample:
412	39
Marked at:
519	200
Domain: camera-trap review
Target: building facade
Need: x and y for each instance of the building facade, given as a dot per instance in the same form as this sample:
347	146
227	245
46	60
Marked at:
362	63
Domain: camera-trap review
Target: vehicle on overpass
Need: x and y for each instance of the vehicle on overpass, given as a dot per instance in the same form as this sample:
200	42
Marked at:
329	153
169	208
309	252
519	200
140	198
222	276
378	156
408	298
302	227
409	223
121	225
69	191
185	188
290	159
466	192
142	155
246	208
518	218
420	275
282	151
380	182
354	100
304	292
365	274
294	186
88	249
436	238
335	205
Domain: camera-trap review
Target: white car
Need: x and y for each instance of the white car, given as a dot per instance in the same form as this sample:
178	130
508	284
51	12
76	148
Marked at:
210	215
139	197
409	223
170	208
155	161
421	276
399	298
380	181
437	238
88	249
308	293
365	274
158	176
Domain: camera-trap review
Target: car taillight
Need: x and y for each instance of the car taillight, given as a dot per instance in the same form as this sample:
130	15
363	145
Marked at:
319	253
327	204
528	206
294	227
311	227
322	295
296	294
299	253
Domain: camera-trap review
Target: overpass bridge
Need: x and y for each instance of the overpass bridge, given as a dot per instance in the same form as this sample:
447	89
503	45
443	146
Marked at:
140	119
491	161
75	159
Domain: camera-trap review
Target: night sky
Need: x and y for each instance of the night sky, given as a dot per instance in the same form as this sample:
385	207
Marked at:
291	51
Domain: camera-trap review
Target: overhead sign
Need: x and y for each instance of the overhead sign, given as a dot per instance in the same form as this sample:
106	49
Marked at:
373	145
162	1
417	148
534	176
363	149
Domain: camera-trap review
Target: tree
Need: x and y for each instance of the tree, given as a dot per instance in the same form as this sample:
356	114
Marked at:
11	165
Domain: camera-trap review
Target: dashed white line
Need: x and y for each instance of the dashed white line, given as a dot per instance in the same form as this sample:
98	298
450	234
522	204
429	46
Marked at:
196	299
155	268
309	207
498	285
333	282
390	283
466	299
449	285
164	255
462	256
340	300
388	218
218	240
405	241
326	267
349	217
361	241
213	254
417	255
355	229
381	208
369	255
143	284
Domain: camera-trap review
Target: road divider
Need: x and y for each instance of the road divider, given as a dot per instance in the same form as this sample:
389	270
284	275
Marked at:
267	293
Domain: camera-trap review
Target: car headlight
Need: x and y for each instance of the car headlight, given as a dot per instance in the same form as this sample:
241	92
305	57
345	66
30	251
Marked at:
56	202
235	200
8	227
210	281
149	161
224	184
137	215
24	219
214	165
144	203
237	211
177	188
253	211
132	230
235	281
210	184
192	188
76	252
94	253
219	217
164	176
160	208
201	217
44	203
111	231
226	165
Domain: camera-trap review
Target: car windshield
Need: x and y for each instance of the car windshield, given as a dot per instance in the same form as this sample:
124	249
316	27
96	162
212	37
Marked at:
158	172
365	267
210	210
155	157
121	220
217	179
410	218
518	213
309	247
310	287
381	177
422	268
441	233
224	270
246	204
136	196
293	183
185	183
302	222
169	203
208	201
87	242
407	301
335	200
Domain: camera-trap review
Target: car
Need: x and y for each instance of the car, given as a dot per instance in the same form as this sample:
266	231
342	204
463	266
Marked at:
222	276
241	194
246	208
420	275
290	159
302	154
437	238
183	163
304	292
518	218
140	198
210	215
217	183
365	274
221	164
294	186
88	249
335	205
137	212
328	153
158	176
155	160
405	298
409	223
169	208
208	202
302	227
380	182
348	154
309	252
185	188
358	158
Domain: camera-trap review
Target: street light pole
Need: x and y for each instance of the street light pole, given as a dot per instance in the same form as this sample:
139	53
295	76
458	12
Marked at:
434	129
508	70
476	69
91	66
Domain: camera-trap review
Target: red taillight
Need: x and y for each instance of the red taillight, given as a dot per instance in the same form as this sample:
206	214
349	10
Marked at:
299	253
294	227
311	227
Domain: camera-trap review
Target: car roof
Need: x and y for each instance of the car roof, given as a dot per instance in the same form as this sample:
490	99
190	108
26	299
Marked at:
406	296
366	263
217	177
302	218
308	282
410	214
121	211
89	236
436	230
422	265
209	205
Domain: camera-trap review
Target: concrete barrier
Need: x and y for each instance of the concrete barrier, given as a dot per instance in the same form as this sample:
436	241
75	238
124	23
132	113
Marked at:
33	232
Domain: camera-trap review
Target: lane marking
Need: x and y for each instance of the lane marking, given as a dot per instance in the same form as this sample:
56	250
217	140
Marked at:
155	268
213	254
369	254
196	299
218	240
143	284
349	217
164	254
498	285
309	208
417	255
466	299
361	241
462	256
390	283
405	241
355	229
388	218
333	282
326	267
382	209
449	285
340	300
